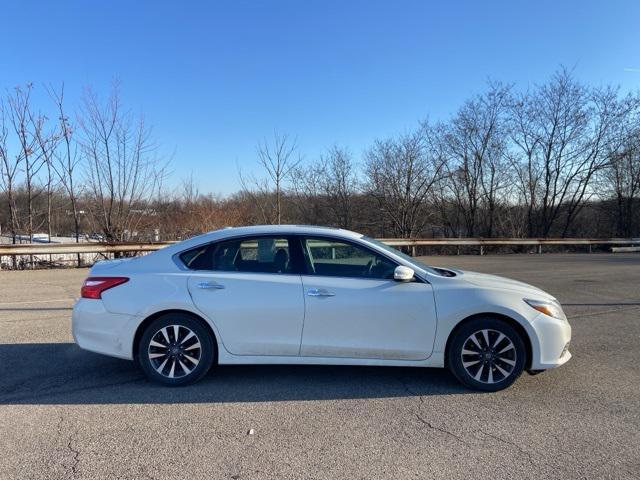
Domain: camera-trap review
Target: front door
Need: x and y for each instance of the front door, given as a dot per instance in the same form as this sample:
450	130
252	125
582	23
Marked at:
354	308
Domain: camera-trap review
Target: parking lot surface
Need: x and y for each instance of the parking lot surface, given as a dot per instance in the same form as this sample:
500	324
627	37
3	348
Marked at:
67	413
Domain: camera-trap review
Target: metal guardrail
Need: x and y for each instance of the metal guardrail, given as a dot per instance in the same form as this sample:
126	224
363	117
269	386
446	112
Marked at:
494	242
404	242
106	248
66	248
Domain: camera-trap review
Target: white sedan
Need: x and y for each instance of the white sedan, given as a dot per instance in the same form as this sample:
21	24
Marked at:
312	295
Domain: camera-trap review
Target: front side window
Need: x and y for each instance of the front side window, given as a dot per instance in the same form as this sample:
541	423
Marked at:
256	254
336	258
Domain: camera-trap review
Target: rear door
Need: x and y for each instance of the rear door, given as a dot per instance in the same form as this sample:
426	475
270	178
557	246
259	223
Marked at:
354	308
250	289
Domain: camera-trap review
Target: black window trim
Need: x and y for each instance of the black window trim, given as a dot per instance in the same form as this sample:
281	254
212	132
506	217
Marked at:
295	245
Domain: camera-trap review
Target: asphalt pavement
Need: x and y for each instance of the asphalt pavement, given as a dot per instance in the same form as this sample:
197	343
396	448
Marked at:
67	413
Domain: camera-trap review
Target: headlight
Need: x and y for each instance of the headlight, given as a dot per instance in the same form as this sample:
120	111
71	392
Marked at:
552	309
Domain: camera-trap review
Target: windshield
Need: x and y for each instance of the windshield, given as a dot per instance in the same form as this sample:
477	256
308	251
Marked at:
395	251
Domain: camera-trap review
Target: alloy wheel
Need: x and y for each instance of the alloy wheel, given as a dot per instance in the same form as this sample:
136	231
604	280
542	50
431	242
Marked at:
174	351
488	356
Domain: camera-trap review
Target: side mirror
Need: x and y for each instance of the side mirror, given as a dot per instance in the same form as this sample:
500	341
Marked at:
403	274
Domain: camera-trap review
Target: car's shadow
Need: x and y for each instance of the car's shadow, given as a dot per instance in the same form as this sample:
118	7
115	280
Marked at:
62	373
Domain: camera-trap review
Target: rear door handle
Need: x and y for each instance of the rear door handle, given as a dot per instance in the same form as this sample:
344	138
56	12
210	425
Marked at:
320	292
210	286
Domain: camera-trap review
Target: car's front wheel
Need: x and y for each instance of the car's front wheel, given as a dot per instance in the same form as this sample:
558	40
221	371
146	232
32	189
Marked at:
486	354
176	349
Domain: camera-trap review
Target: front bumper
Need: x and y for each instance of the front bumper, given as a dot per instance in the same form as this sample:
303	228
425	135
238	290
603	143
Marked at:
98	330
552	347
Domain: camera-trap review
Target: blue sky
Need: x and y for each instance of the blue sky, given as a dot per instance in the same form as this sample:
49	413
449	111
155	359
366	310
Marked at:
214	78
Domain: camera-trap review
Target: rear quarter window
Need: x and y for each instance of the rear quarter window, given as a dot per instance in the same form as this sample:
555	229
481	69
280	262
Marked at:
197	258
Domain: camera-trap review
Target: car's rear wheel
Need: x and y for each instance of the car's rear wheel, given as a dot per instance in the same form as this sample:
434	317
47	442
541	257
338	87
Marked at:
176	349
486	354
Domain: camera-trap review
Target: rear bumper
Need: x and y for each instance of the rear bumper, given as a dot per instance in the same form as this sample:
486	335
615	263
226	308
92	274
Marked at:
98	330
553	337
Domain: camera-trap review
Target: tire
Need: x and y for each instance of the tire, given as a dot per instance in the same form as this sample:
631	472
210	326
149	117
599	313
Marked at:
488	366
180	361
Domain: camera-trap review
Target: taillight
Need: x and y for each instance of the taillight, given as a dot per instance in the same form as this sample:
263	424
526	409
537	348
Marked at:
94	286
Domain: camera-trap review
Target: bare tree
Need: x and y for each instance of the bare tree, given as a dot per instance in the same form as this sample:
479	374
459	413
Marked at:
401	174
122	168
624	183
620	180
278	160
9	171
339	184
46	143
323	192
474	144
560	131
29	155
66	160
306	193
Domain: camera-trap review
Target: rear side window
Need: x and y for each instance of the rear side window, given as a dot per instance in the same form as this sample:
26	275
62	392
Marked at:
256	254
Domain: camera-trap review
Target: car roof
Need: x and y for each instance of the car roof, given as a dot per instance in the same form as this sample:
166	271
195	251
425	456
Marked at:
284	229
230	232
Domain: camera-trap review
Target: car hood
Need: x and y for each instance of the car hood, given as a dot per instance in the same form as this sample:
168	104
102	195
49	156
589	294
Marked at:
501	283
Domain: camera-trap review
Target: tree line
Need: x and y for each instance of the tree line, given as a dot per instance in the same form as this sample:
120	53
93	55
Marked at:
557	159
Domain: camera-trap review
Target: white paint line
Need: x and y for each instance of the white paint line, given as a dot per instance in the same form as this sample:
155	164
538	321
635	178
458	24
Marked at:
602	312
39	301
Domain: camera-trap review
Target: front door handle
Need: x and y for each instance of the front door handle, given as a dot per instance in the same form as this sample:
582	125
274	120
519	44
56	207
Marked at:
210	286
320	292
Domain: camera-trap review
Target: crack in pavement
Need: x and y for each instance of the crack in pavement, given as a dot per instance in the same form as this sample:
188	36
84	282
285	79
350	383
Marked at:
408	390
508	442
457	437
29	398
75	452
426	422
76	457
433	427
